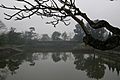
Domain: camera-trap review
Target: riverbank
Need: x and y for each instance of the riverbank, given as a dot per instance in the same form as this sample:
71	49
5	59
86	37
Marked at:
10	49
48	47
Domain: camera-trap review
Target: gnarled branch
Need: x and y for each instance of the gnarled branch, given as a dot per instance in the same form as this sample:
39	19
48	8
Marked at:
67	8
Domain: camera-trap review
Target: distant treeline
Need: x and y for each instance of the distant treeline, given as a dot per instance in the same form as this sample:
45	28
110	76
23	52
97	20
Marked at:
11	37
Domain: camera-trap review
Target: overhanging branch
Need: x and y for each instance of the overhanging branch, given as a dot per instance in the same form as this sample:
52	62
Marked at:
50	8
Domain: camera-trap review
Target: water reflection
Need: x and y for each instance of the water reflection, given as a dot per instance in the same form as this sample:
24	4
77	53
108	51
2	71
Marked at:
57	56
93	65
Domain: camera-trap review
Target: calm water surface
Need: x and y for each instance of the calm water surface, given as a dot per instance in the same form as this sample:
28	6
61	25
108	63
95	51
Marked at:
59	66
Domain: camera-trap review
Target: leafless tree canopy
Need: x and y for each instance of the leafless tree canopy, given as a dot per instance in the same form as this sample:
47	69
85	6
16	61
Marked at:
60	11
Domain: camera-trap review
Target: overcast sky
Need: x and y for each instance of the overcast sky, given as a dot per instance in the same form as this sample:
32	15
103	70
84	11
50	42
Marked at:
95	9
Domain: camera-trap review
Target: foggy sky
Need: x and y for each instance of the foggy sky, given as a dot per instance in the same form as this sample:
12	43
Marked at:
95	9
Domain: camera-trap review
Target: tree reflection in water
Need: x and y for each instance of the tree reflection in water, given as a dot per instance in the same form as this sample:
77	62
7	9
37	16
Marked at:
58	56
93	65
7	66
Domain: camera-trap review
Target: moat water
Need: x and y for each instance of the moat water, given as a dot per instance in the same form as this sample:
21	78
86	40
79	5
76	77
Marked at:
59	66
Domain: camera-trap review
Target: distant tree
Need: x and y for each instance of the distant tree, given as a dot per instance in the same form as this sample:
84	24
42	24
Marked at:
29	35
32	29
56	35
12	30
70	35
79	33
14	37
60	11
45	37
64	36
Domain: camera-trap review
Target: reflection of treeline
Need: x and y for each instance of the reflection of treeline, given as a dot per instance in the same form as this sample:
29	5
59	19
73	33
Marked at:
94	65
112	61
113	66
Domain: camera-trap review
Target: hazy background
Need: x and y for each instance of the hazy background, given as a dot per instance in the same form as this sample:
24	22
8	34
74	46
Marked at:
95	9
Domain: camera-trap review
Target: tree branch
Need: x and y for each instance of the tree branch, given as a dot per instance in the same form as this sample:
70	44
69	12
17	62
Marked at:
108	44
50	8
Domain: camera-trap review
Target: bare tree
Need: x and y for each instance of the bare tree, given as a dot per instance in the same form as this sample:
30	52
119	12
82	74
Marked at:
60	11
